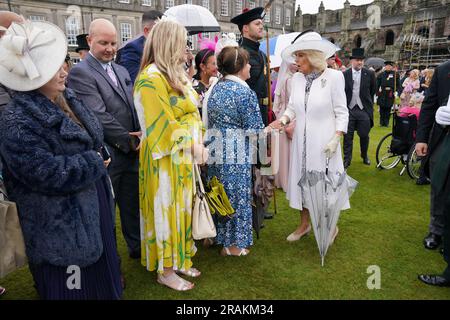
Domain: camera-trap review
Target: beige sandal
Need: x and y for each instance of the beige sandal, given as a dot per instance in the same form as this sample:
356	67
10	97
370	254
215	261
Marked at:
191	272
226	252
173	281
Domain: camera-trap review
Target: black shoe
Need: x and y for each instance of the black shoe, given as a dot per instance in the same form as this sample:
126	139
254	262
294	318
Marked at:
434	280
346	164
422	181
366	161
432	241
441	251
268	216
262	226
135	254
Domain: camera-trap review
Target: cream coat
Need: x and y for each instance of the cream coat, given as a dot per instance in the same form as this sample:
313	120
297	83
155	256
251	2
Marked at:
326	113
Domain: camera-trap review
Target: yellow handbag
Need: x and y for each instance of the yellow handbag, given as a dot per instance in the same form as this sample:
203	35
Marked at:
12	245
218	200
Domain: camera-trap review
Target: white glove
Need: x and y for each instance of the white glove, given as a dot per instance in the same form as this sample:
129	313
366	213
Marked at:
331	147
443	115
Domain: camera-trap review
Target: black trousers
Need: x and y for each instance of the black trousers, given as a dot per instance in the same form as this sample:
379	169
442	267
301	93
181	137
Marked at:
264	114
440	181
123	172
359	121
385	115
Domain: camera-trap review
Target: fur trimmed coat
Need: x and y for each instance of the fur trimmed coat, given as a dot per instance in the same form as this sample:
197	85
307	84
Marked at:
51	165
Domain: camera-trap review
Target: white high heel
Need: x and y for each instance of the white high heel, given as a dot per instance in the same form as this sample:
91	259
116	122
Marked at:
297	236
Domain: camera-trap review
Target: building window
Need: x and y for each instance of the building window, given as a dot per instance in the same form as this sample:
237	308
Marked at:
124	1
239	7
278	15
288	17
267	17
390	38
424	32
224	8
205	3
125	32
358	41
72	30
147	3
251	4
170	3
37	18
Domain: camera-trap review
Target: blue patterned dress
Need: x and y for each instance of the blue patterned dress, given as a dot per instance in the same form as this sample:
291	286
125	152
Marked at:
234	115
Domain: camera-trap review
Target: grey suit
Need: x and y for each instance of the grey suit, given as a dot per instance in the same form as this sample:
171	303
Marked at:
114	106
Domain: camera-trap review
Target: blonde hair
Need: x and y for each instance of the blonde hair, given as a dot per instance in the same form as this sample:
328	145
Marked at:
414	74
166	48
316	58
428	76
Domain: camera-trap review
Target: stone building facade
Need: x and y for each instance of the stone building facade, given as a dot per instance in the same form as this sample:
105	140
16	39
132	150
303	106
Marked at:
74	16
412	32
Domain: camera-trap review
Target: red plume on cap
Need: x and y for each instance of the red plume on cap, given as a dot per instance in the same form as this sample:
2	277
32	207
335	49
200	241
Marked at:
245	10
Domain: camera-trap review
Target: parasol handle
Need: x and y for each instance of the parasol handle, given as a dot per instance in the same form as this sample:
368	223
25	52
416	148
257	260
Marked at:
327	163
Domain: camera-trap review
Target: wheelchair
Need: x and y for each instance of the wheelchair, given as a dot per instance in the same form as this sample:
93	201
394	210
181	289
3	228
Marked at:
399	146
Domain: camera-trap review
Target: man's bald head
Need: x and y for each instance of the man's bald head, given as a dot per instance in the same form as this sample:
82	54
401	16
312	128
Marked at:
102	40
8	17
101	26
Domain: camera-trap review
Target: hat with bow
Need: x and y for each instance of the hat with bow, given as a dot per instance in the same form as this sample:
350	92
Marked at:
30	54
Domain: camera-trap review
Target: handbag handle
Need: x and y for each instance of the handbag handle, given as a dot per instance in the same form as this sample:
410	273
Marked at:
198	178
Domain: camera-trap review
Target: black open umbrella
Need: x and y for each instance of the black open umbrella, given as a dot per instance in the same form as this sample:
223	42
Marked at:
374	62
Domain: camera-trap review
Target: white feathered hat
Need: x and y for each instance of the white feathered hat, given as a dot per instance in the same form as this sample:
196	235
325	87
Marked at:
30	54
309	41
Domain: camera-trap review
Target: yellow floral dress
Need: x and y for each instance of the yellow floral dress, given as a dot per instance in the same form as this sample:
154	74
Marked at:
170	123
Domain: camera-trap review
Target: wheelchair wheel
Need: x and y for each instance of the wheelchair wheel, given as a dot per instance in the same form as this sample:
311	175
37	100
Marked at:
413	163
385	158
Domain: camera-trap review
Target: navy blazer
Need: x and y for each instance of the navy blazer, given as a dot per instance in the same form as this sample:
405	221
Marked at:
130	56
113	105
51	165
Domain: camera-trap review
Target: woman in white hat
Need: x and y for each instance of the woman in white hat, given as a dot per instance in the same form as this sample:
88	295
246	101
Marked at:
51	147
319	106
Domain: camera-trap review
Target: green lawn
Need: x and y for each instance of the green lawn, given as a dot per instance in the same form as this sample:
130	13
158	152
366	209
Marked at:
384	227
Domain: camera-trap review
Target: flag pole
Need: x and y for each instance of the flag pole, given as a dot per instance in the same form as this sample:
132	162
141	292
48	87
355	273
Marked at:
269	86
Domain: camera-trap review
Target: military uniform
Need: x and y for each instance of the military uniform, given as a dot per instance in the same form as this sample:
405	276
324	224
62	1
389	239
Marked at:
258	75
387	82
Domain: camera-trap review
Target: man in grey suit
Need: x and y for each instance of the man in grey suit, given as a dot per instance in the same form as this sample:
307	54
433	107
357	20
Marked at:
106	88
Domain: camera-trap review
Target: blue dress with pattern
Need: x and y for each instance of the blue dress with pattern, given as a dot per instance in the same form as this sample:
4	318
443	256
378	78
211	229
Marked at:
234	117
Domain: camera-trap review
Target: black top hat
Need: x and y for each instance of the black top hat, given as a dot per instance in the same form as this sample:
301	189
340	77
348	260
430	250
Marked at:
248	16
357	53
389	62
82	42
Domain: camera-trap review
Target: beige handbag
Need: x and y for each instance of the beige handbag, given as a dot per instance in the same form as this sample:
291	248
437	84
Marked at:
12	245
202	222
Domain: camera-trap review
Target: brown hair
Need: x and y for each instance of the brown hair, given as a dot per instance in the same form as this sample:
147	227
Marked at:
231	60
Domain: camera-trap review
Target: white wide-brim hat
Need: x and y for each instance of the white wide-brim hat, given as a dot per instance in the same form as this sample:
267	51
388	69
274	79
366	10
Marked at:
309	41
31	53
